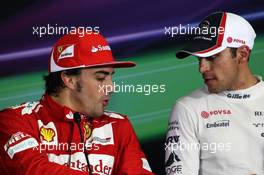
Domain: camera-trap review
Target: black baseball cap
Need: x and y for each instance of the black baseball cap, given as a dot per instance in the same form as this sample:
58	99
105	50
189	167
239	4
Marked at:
216	32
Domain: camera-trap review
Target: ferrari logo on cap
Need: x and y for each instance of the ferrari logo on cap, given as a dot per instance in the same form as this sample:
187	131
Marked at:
66	51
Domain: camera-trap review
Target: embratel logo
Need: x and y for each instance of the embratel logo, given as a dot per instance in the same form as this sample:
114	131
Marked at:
219	112
217	124
99	48
238	96
47	134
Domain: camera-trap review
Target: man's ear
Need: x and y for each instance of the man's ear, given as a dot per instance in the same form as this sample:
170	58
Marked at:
243	53
68	80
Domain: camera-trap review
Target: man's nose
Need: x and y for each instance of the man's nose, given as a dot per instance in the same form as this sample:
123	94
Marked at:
204	65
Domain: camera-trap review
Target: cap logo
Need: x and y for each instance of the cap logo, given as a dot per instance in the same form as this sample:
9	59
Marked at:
94	49
235	40
239	41
65	52
205	24
229	39
100	48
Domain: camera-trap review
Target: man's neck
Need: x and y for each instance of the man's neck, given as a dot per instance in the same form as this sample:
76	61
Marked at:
61	99
246	80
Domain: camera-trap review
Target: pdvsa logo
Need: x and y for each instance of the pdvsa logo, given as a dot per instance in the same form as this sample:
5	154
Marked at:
218	112
235	40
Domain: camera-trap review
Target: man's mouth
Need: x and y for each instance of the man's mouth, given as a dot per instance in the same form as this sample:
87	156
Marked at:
105	102
208	79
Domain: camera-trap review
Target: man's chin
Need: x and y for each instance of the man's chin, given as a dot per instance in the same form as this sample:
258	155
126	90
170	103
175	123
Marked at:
96	114
99	113
215	90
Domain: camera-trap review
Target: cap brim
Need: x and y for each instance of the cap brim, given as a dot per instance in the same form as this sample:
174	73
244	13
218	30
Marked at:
115	64
199	48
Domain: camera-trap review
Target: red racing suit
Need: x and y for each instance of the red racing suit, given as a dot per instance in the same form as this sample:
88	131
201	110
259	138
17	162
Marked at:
43	138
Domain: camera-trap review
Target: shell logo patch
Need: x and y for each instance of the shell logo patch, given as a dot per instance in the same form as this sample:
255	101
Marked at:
47	134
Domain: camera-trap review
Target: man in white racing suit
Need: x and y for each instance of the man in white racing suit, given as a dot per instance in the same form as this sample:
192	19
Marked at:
219	129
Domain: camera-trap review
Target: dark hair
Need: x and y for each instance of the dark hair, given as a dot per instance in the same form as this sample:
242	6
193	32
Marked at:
233	52
54	83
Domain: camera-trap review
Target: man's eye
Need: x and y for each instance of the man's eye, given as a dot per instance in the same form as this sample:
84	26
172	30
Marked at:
211	58
100	78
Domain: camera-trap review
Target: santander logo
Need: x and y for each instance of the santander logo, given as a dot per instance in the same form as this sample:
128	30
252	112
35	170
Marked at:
218	112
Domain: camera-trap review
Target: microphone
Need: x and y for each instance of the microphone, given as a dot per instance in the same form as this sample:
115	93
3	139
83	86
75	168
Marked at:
77	119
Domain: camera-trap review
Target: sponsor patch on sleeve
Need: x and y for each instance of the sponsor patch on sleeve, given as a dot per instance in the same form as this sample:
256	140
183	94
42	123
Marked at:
19	142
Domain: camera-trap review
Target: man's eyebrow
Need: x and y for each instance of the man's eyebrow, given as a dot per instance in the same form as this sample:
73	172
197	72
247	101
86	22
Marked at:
104	72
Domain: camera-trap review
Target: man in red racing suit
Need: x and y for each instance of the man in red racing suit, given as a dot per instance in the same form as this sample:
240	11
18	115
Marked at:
47	138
